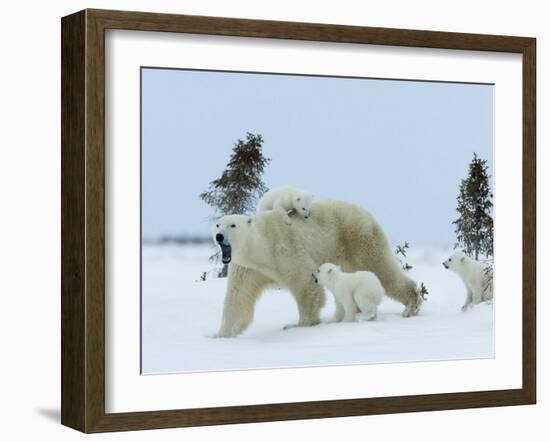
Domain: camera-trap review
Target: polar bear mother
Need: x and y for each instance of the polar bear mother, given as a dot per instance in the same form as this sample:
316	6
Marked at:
265	252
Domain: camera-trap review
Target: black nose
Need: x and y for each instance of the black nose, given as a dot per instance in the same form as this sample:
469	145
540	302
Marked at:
219	237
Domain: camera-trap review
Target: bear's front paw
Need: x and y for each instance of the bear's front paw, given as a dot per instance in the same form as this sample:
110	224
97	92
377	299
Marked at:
362	317
409	311
289	326
216	336
231	333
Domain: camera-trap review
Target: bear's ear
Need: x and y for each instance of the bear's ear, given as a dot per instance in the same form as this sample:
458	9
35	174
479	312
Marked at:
329	271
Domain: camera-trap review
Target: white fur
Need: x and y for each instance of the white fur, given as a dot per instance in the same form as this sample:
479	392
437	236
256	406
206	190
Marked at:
353	292
284	199
266	253
474	277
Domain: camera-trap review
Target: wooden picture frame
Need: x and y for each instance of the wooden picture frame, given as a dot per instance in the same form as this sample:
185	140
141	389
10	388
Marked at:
83	220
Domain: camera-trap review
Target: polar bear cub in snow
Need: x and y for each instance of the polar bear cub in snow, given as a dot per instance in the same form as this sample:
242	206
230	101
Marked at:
478	282
284	199
353	292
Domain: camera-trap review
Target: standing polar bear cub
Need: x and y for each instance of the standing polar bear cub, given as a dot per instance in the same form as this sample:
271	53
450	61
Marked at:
353	292
283	199
478	282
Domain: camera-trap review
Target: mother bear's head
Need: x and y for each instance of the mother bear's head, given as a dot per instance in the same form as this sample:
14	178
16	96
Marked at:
229	232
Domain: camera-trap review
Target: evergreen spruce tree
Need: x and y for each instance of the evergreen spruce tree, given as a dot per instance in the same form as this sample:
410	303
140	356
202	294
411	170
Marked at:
474	226
240	185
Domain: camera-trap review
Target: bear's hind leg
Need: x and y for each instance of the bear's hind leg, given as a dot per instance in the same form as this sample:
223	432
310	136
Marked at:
368	309
477	296
397	285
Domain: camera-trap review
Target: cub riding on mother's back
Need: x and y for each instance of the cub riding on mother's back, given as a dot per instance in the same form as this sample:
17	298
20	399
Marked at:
284	199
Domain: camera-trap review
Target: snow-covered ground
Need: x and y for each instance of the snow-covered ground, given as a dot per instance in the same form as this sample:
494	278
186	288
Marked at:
180	312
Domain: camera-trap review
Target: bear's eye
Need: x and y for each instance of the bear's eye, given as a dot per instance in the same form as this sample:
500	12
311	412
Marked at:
233	225
450	259
217	226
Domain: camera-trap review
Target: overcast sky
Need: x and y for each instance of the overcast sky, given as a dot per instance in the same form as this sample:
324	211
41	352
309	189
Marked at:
397	148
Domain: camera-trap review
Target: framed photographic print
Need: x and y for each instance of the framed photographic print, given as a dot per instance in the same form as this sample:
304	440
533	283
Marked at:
271	220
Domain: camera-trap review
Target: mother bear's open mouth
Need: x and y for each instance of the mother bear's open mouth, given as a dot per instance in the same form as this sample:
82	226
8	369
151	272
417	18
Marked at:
226	253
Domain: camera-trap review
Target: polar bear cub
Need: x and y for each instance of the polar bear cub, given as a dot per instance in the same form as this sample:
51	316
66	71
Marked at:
478	282
353	292
284	199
